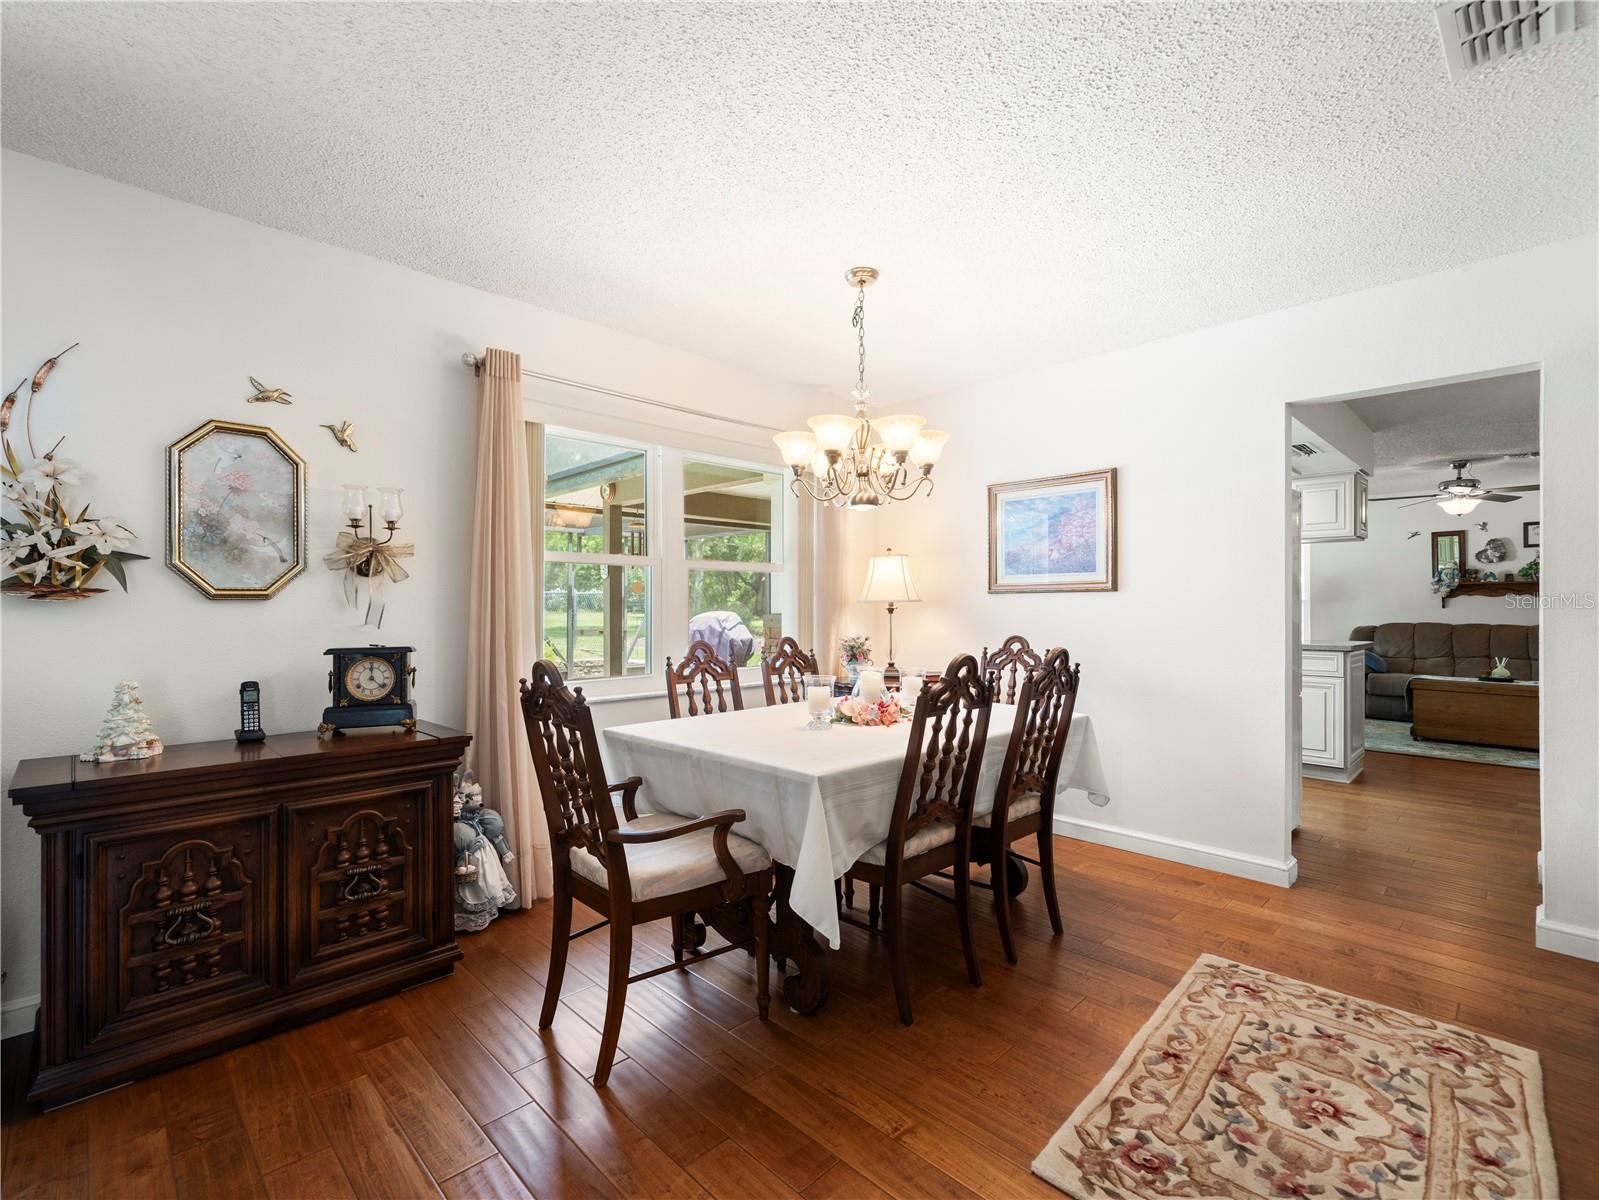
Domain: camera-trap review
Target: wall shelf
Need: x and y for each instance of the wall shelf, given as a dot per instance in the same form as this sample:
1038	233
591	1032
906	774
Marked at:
1492	587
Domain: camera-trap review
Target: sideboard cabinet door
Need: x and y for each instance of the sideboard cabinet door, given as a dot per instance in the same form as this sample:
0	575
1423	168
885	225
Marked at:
179	924
355	870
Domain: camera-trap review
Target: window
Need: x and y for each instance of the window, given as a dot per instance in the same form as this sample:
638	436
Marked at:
733	543
647	549
595	619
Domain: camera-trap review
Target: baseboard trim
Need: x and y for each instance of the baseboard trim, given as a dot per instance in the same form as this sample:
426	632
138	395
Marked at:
16	1016
1193	854
1566	939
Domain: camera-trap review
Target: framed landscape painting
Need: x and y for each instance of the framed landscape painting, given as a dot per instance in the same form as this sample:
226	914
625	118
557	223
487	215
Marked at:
1053	535
236	511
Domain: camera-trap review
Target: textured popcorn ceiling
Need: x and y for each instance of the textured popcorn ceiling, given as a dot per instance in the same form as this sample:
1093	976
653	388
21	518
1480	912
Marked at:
1036	182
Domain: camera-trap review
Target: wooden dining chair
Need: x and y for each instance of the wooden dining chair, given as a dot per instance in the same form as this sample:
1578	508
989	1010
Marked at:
1024	797
783	674
702	674
1007	667
931	827
637	870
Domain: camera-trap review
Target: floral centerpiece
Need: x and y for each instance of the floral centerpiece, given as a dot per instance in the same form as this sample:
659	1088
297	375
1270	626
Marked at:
51	551
857	652
852	710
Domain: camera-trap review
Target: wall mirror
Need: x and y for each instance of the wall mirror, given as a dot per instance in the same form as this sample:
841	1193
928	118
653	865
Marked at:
1448	546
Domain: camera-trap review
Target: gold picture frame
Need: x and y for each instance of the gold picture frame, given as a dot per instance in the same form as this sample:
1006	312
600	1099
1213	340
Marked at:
1055	534
236	511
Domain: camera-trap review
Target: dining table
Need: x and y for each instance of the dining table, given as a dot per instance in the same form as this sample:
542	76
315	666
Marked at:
816	799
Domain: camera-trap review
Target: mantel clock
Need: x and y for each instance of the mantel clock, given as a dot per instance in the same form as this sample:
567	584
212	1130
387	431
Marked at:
371	686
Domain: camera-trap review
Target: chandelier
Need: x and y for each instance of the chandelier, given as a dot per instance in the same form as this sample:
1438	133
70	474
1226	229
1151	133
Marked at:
856	461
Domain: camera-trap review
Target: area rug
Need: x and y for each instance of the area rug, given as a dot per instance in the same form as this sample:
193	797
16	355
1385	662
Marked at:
1393	737
1246	1084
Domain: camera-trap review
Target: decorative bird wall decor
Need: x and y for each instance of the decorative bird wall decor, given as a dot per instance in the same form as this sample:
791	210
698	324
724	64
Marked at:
344	434
1482	526
1414	533
266	395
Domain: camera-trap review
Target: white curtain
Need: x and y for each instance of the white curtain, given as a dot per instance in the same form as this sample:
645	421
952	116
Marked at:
504	589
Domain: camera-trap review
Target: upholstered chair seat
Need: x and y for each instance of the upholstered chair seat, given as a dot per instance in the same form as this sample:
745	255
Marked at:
1025	807
919	842
678	865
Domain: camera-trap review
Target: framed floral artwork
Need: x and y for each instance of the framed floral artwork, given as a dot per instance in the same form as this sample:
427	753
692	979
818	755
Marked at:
235	511
1053	535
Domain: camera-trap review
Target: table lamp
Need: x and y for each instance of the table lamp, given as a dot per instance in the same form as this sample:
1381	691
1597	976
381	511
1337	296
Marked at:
888	579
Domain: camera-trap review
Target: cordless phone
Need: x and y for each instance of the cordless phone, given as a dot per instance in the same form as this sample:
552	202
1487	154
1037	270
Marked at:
249	713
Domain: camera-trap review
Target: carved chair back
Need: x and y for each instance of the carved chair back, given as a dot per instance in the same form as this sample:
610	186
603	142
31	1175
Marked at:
783	674
1006	668
944	756
571	774
701	675
1038	738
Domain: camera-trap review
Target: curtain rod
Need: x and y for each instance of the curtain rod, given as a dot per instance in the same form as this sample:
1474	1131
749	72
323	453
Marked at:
475	361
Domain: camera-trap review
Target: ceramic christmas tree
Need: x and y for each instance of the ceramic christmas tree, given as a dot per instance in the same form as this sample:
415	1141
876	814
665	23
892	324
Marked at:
126	732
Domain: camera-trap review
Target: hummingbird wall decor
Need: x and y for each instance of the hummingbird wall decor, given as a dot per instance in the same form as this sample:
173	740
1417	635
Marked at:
344	434
266	395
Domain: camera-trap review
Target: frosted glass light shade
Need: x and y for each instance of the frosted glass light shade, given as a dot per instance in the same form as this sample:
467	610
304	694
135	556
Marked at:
928	446
1459	506
796	446
391	507
354	503
833	431
899	432
888	580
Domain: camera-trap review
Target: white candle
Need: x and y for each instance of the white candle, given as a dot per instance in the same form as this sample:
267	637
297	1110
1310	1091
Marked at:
871	686
910	686
818	700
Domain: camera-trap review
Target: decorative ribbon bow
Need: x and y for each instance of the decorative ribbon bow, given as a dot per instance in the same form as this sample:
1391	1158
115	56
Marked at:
355	555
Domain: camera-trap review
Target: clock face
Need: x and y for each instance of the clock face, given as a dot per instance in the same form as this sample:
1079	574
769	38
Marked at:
369	678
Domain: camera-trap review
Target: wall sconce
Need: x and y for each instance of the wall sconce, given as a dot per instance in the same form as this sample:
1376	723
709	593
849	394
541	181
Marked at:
360	555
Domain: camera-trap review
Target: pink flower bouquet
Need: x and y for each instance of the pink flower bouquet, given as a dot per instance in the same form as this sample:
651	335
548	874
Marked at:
851	710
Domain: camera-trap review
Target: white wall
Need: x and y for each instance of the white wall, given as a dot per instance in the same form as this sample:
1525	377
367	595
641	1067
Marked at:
1186	667
174	307
1388	576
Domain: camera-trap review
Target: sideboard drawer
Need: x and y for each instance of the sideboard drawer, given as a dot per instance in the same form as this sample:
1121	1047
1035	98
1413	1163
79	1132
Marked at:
354	875
178	929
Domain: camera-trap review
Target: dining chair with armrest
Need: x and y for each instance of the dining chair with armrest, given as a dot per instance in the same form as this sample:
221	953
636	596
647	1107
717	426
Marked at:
783	673
701	675
931	826
637	870
1006	668
1024	797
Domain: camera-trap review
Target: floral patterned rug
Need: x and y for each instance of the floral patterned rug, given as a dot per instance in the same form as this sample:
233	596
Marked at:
1247	1084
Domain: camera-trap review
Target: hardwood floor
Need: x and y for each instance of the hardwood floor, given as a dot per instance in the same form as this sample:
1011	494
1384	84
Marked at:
1417	889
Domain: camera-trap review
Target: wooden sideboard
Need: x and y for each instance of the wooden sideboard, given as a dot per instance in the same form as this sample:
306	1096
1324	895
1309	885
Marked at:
220	892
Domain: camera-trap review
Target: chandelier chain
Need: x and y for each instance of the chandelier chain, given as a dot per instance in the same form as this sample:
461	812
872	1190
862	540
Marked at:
859	321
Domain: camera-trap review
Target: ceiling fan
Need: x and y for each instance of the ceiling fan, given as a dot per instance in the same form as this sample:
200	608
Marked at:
1458	496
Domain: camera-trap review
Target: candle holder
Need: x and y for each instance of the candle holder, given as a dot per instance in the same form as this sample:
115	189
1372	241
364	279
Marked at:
819	701
355	500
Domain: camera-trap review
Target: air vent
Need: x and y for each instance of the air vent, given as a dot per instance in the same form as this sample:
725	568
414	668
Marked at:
1478	32
1303	449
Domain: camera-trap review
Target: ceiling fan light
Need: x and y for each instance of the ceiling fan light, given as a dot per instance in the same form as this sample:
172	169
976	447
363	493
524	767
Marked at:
796	446
928	446
834	430
1459	506
898	433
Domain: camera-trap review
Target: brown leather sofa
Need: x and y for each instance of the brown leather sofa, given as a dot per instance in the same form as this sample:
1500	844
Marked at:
1434	648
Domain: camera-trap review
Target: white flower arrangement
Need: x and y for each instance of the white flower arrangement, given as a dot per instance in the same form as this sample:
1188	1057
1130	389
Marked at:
46	551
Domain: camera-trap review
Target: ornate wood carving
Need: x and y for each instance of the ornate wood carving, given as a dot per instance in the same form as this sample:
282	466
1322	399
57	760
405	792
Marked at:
702	675
783	674
360	877
1006	668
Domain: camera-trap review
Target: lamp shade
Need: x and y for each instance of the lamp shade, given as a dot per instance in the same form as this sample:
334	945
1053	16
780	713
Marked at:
888	580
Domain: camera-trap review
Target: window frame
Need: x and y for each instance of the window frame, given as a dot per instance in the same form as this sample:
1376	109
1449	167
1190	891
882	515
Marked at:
665	529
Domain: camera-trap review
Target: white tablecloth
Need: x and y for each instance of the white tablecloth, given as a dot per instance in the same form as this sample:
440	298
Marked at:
815	800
